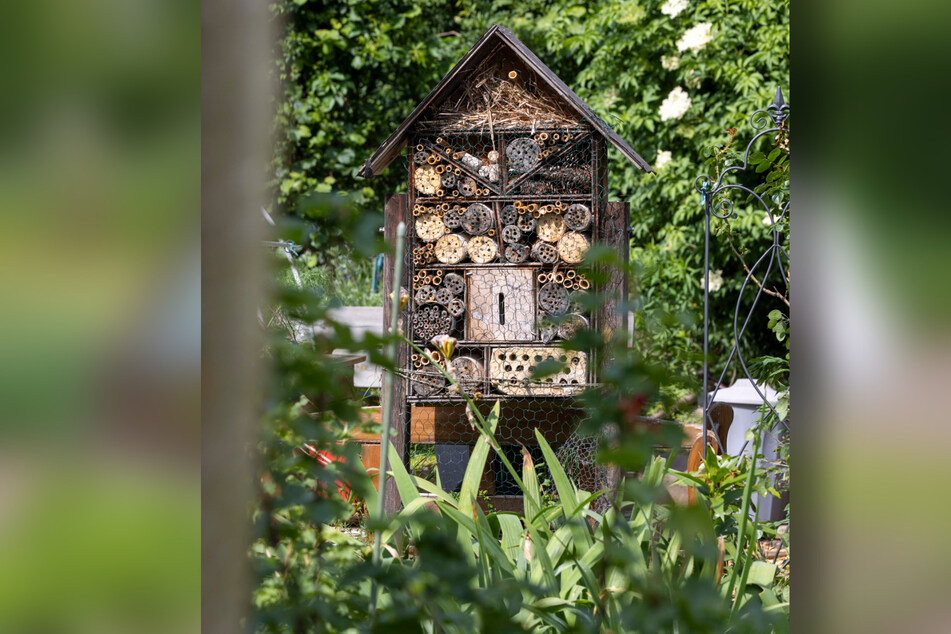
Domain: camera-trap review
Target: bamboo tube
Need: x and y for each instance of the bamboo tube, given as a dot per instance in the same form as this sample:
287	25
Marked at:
440	193
571	274
419	148
440	169
431	159
513	74
542	278
585	284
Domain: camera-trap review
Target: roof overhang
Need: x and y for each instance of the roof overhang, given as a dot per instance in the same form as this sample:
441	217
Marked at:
488	43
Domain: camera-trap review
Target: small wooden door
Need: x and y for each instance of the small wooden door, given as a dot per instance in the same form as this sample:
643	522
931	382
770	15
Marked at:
501	305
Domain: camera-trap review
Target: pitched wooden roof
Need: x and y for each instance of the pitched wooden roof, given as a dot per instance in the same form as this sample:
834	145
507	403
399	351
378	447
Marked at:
489	41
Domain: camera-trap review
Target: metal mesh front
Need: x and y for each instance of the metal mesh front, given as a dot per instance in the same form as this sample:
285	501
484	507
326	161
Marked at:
507	193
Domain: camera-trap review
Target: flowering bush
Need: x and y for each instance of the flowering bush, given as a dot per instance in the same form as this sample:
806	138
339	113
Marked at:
675	105
695	38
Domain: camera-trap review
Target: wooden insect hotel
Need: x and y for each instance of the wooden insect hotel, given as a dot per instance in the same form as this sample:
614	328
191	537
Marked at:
508	189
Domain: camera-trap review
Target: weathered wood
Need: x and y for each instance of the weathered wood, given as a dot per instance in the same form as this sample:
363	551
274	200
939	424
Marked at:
396	211
613	231
511	365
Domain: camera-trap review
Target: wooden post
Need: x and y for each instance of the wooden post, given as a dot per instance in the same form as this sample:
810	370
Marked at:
614	233
235	134
396	210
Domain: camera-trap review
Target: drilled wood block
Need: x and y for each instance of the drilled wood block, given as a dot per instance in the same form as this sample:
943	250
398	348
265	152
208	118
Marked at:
451	249
572	247
510	371
427	180
430	227
482	249
550	227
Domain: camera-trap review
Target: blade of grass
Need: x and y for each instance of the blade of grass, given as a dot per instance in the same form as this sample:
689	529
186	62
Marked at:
741	531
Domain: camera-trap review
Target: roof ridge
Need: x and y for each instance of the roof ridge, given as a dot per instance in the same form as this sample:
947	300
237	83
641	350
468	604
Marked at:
394	144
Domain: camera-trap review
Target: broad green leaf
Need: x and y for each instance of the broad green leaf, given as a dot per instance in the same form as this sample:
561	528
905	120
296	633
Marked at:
469	491
513	535
404	483
532	494
564	486
762	574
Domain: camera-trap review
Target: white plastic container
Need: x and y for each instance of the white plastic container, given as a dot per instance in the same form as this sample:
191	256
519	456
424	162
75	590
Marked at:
745	401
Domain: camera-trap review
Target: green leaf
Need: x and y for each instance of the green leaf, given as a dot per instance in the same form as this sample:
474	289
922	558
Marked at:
565	487
469	491
762	574
512	534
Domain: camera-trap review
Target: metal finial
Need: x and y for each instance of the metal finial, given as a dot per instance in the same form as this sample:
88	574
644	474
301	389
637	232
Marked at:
779	102
778	110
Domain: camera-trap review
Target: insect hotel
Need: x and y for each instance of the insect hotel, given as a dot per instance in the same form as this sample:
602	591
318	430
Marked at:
507	172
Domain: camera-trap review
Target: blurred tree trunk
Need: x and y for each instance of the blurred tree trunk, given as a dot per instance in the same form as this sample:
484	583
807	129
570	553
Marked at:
236	120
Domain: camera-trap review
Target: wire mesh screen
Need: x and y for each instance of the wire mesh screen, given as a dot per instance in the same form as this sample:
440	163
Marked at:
507	192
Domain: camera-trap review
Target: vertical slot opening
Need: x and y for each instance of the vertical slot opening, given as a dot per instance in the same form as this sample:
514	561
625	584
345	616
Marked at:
501	309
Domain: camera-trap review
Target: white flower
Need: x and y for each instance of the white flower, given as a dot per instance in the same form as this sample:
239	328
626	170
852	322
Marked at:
663	158
669	62
716	280
693	82
695	38
673	7
772	222
675	105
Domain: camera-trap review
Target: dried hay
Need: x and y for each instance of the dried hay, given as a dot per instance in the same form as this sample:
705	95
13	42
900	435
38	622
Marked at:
492	100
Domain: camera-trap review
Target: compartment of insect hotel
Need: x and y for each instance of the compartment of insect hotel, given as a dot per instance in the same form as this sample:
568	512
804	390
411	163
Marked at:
507	178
